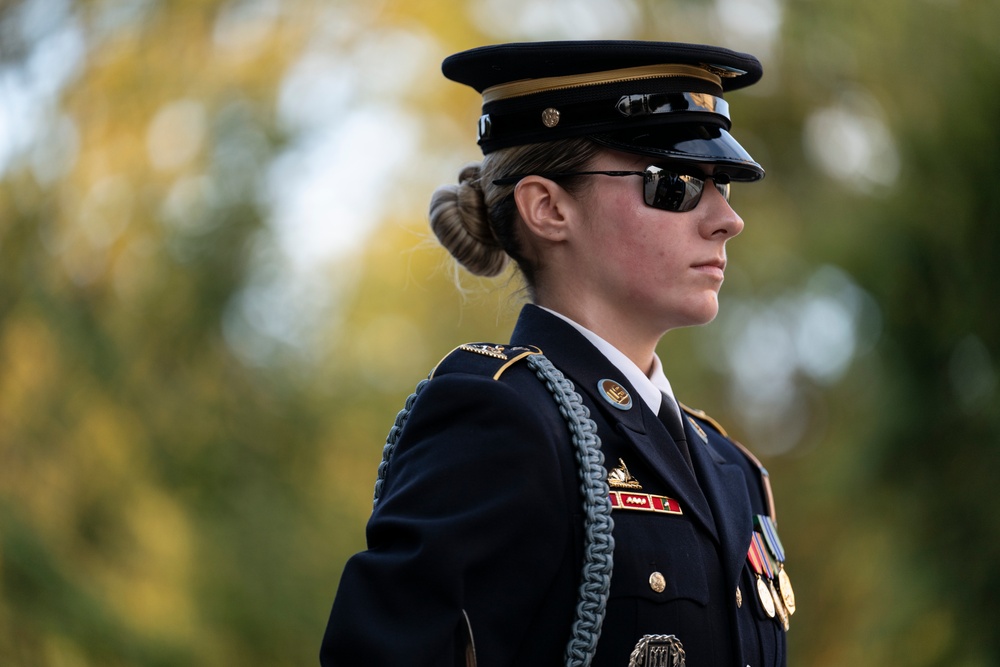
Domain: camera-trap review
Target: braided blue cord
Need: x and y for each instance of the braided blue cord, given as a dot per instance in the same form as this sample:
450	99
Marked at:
597	522
393	437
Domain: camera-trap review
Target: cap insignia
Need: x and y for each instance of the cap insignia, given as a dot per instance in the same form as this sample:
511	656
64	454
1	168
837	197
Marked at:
550	117
620	478
615	394
723	71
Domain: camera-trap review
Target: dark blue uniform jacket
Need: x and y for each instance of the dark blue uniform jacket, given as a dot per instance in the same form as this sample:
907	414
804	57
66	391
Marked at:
480	517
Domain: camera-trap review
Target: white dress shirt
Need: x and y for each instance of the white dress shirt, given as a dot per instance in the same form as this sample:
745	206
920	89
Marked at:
651	388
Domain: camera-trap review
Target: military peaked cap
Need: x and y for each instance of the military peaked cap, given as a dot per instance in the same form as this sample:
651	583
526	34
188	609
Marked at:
660	99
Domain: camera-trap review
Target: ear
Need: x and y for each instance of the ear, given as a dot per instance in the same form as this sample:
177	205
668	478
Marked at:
545	207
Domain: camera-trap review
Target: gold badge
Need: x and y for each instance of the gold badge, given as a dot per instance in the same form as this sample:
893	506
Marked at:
615	394
620	478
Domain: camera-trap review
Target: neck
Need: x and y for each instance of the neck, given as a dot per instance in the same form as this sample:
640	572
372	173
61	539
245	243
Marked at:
635	342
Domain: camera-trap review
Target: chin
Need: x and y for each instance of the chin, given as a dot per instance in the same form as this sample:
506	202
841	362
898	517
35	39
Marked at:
699	314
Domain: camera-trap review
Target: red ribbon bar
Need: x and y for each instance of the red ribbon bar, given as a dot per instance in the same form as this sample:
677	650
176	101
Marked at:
757	548
626	500
754	558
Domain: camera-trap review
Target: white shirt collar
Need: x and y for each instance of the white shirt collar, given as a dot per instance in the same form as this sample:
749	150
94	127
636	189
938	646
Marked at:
651	388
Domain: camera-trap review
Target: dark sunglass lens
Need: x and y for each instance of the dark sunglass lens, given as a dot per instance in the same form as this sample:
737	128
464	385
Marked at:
692	192
664	190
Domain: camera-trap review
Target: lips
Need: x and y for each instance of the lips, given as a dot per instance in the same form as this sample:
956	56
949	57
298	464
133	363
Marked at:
714	266
718	263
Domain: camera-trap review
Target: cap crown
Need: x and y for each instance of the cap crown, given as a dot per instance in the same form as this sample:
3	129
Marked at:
662	99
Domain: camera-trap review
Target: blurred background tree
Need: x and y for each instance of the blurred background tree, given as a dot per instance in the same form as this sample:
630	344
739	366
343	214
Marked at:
217	288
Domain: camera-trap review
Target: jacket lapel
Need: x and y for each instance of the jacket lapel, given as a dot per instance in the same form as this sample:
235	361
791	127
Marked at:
640	429
660	453
727	494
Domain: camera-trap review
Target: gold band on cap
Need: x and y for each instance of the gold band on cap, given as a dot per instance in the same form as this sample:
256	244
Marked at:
522	87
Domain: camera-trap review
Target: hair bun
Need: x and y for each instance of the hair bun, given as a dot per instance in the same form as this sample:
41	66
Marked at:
460	220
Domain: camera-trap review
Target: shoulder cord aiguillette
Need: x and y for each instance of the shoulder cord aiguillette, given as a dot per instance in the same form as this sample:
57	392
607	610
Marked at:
597	523
393	437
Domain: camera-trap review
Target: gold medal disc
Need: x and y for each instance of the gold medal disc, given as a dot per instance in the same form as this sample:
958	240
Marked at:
764	595
779	606
787	594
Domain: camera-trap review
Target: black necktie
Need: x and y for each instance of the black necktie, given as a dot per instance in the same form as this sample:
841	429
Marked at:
671	418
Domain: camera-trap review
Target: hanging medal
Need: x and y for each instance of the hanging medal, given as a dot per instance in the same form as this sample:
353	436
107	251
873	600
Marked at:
768	577
757	562
773	542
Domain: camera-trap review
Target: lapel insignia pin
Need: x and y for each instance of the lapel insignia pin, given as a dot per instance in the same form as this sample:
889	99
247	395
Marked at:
620	478
701	433
615	394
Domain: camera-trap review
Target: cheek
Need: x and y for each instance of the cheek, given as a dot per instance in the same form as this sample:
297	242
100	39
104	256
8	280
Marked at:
653	244
632	239
624	231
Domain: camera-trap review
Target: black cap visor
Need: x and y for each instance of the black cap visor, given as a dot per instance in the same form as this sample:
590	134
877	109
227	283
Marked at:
688	143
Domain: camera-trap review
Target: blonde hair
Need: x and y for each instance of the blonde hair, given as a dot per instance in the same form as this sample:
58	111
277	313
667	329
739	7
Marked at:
476	220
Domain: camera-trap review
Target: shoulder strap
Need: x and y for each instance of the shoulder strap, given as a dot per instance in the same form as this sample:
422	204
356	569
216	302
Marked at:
598	525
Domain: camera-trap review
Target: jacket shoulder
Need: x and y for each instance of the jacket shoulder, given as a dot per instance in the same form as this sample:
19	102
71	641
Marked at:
700	417
488	359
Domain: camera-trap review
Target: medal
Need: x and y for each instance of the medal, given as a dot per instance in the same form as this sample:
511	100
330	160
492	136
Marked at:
767	575
764	595
785	586
758	561
774	546
779	606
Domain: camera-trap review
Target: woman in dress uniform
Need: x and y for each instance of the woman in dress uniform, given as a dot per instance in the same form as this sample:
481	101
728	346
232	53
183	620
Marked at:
549	501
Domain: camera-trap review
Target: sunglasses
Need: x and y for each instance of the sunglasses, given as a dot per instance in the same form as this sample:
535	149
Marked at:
662	189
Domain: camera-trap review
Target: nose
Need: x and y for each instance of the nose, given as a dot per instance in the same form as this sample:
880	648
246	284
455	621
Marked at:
719	219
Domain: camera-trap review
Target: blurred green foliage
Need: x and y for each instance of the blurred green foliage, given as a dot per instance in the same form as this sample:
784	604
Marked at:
180	484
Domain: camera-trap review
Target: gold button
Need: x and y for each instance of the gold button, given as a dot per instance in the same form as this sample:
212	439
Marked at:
657	582
550	117
739	597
